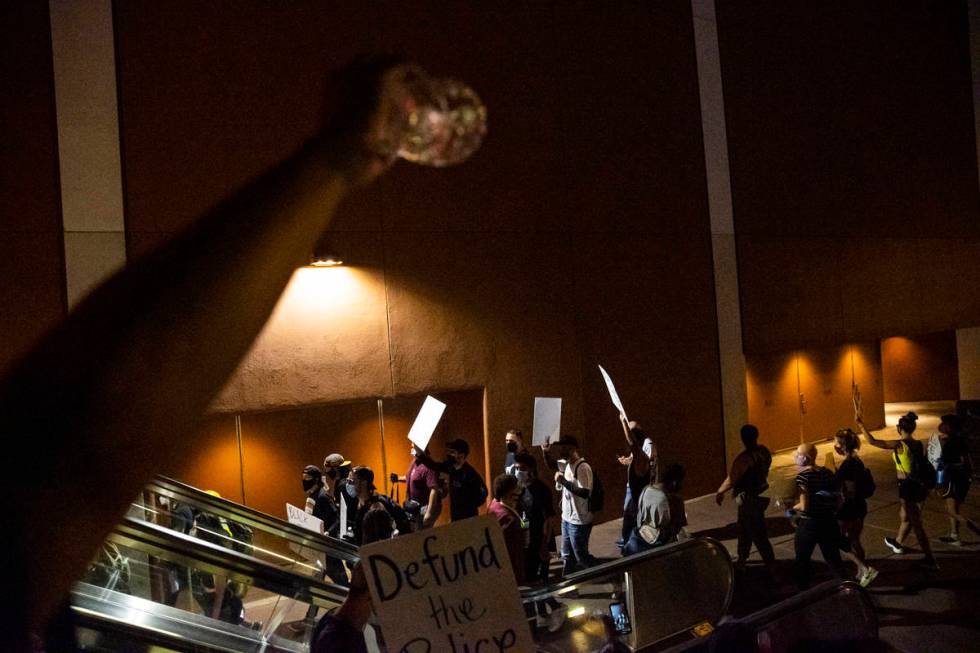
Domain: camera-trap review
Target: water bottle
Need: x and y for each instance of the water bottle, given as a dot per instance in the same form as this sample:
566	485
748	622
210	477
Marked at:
435	122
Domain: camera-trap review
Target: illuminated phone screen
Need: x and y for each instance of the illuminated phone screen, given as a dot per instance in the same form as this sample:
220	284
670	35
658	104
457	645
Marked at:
621	618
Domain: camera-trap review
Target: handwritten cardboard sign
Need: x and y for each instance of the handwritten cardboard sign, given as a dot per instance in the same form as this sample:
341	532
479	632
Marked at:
447	589
612	393
300	517
426	422
547	420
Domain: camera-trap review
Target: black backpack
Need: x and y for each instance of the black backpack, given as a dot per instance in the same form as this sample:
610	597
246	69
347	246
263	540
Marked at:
922	470
597	496
866	484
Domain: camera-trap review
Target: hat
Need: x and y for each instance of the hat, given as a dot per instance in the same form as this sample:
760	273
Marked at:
364	474
335	460
313	471
459	445
568	441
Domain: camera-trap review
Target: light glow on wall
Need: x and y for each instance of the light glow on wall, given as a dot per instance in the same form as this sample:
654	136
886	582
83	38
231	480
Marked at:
313	290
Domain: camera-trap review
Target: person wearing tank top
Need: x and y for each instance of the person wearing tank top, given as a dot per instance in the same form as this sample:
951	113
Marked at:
911	494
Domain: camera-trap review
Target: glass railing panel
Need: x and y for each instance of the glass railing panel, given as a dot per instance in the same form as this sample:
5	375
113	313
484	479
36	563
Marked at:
196	588
185	509
659	593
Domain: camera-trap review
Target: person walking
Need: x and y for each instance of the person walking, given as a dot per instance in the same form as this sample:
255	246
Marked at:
467	491
661	516
574	479
910	464
854	479
949	453
747	480
641	469
820	498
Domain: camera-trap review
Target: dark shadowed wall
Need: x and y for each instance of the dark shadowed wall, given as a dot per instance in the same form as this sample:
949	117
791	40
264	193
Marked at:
853	168
32	276
921	368
577	235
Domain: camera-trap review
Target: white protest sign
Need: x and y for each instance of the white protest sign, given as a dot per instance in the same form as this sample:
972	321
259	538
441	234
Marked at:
300	517
426	422
547	420
612	393
447	589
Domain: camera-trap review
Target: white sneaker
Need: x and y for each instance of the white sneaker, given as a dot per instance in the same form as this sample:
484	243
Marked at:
556	619
893	544
868	576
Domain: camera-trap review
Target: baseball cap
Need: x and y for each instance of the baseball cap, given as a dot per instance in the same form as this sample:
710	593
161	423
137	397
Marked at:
335	460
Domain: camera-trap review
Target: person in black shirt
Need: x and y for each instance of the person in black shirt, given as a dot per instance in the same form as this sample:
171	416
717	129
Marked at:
321	504
467	490
852	512
362	480
748	479
342	630
538	509
817	507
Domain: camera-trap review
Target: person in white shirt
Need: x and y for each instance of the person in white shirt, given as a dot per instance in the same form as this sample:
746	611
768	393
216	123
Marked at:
574	480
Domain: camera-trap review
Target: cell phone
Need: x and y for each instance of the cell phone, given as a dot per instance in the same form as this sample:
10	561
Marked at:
621	618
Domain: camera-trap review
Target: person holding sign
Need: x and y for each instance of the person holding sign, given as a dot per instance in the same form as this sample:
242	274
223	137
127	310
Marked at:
467	491
423	498
574	478
342	631
641	469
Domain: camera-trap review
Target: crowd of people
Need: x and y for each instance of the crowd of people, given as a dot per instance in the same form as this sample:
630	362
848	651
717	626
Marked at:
829	509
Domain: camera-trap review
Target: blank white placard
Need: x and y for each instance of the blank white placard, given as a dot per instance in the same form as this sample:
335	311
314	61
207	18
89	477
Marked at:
612	393
426	422
547	420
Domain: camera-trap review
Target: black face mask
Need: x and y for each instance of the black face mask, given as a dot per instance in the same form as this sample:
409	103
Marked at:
332	473
308	484
511	446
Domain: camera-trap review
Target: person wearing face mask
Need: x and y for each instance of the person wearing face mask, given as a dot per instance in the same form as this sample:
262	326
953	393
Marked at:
820	499
506	496
321	504
467	491
641	469
336	469
852	475
423	493
514	441
747	480
368	500
538	510
575	479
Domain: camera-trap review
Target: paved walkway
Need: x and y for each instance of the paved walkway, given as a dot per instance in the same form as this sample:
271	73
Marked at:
917	610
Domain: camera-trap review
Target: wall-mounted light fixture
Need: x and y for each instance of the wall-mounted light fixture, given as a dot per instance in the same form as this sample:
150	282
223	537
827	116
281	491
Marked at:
324	256
325	261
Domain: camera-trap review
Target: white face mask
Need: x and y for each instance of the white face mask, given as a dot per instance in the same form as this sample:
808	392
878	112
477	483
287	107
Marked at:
648	448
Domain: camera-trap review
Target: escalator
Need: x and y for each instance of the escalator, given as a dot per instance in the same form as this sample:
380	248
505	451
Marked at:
153	587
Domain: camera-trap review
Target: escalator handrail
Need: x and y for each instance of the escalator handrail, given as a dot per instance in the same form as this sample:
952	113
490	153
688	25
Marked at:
774	612
622	564
244	514
761	618
192	552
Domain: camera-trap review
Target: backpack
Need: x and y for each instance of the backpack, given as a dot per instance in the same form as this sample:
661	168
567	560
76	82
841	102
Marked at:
597	496
922	470
866	484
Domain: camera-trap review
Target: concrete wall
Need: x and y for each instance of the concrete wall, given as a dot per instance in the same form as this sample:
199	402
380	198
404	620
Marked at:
32	289
968	356
579	233
854	171
920	368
